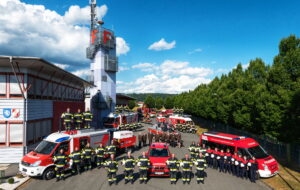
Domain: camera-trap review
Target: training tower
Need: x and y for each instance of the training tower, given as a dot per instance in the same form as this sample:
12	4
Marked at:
104	65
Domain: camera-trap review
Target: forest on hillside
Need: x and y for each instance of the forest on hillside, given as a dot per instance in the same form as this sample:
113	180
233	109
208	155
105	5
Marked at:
262	99
143	96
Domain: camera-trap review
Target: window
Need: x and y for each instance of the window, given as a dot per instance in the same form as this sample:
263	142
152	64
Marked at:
45	147
159	152
258	152
63	145
15	90
243	151
2	85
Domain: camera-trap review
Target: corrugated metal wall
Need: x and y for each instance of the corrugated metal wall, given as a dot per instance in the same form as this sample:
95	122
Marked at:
39	109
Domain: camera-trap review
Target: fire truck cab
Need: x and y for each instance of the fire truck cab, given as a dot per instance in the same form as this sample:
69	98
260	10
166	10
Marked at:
267	165
158	154
40	163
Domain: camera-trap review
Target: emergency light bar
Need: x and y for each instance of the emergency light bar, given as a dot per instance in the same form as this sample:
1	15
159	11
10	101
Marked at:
222	137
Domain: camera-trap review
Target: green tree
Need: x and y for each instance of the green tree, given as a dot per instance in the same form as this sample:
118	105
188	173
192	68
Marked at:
131	104
150	101
159	103
169	103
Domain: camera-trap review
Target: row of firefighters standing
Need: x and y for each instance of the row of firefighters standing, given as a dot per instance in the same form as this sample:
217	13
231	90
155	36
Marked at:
77	120
236	164
84	157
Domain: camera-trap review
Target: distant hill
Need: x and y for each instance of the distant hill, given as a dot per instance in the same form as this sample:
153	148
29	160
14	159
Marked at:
142	96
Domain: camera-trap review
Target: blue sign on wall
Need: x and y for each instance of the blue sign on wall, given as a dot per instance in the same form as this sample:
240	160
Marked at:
6	112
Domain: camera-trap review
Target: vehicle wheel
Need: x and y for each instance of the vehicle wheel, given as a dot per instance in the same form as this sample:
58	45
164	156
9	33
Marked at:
49	173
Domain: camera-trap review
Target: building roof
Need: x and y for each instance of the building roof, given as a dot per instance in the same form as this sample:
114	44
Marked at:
42	66
123	96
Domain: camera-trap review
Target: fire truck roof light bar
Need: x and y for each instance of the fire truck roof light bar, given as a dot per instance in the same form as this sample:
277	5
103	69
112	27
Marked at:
222	137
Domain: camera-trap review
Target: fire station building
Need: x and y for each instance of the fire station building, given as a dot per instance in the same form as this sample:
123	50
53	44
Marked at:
33	95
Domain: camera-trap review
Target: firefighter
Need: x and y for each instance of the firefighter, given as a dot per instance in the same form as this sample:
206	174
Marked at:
200	164
243	167
179	141
144	139
87	153
227	161
78	119
67	119
140	139
111	149
143	163
100	151
197	149
129	163
237	164
253	167
157	137
60	161
150	138
214	157
221	160
173	164
112	168
186	165
208	158
233	164
76	157
88	117
192	149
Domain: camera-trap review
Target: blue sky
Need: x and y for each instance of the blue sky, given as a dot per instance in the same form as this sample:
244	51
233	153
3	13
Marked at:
209	38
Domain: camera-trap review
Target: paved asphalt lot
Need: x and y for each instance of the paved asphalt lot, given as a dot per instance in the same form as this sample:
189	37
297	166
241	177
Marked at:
96	179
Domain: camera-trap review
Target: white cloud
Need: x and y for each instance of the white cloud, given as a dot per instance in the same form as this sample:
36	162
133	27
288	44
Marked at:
121	68
77	15
33	30
62	66
83	73
122	46
198	50
170	76
146	67
162	45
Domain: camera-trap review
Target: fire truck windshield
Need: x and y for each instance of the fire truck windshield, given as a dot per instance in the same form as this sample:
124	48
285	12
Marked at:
258	152
45	147
159	152
109	120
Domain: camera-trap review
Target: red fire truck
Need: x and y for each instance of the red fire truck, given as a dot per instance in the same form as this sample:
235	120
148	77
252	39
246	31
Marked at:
180	119
40	161
267	165
115	120
158	154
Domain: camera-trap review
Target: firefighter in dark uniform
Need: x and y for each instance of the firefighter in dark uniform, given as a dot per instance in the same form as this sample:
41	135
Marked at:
129	163
78	120
157	137
200	164
143	163
140	139
186	165
221	160
150	138
227	161
192	149
60	161
253	167
111	149
76	157
88	117
144	139
67	118
112	168
173	164
100	151
87	153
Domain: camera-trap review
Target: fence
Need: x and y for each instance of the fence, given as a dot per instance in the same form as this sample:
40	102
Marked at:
283	152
